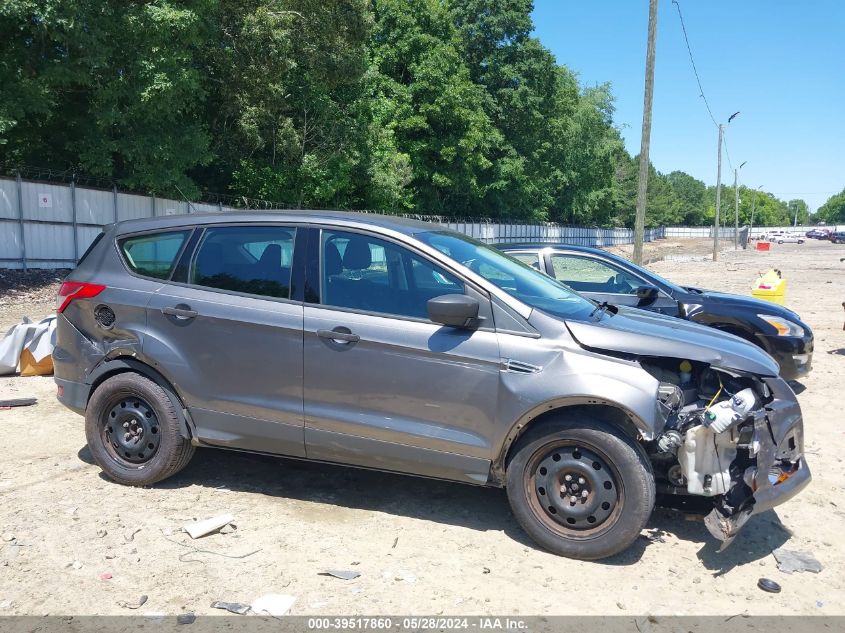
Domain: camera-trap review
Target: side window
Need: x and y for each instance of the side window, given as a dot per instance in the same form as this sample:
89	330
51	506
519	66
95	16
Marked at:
154	254
366	273
590	275
251	259
532	259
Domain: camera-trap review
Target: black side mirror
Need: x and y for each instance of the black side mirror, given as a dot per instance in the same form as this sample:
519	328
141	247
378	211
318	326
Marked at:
647	294
454	310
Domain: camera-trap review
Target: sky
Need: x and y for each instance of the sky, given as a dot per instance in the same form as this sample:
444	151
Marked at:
780	63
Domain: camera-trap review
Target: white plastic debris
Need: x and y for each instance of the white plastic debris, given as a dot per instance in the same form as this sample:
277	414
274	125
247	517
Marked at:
273	604
791	561
203	528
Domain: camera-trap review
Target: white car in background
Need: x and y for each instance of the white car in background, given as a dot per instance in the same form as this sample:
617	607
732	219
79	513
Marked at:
787	238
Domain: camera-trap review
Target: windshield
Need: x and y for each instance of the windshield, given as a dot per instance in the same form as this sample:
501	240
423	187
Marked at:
528	285
662	280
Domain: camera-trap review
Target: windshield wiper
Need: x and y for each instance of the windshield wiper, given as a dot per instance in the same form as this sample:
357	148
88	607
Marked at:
604	306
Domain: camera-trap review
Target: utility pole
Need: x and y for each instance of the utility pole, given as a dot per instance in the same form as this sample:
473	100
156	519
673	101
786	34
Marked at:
736	206
719	188
642	188
718	195
753	204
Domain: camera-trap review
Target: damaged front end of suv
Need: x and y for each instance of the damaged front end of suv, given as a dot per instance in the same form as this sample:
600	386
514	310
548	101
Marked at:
732	436
726	426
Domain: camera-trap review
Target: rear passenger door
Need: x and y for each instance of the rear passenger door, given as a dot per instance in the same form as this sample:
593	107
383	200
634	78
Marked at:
384	386
227	329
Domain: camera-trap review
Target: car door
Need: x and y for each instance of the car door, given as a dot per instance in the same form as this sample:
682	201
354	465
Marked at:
385	387
227	328
602	280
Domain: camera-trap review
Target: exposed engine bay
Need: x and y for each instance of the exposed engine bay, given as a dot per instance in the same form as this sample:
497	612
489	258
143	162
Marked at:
718	440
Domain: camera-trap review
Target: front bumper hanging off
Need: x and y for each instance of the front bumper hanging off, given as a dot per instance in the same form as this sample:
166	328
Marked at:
781	471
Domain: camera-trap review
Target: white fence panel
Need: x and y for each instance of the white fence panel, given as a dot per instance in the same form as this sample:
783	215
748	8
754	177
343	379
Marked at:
46	202
165	206
131	207
49	241
94	206
8	198
10	244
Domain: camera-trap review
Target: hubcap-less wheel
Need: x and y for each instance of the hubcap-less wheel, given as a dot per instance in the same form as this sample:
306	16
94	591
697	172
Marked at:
574	490
131	431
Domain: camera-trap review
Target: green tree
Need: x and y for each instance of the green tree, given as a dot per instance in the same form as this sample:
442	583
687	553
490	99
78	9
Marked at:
833	210
109	88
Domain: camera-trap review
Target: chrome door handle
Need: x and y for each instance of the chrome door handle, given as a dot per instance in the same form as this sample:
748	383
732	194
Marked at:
339	335
181	313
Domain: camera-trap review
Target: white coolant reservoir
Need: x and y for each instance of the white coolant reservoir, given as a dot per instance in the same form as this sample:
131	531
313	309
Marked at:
723	415
705	459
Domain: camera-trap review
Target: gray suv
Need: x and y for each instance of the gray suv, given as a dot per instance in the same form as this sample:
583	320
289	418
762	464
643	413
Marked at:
391	344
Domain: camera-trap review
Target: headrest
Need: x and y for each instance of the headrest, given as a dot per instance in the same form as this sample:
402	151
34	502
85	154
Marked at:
357	255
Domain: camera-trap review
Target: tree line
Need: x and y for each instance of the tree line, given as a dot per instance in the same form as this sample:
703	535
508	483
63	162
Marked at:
447	107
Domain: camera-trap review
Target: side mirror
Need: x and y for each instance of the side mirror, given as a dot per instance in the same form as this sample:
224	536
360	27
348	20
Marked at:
646	294
454	310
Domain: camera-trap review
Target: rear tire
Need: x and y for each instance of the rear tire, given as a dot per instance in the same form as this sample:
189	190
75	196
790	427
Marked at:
133	431
580	488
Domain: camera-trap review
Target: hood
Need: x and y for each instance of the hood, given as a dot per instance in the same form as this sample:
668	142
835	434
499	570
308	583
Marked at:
642	333
759	306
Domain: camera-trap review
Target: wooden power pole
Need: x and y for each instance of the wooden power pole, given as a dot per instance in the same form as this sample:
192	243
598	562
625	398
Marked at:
642	189
718	196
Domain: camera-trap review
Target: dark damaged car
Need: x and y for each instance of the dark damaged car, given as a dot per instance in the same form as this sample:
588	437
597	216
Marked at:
390	344
602	276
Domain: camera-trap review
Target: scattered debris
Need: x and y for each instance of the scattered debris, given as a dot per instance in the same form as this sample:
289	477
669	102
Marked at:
196	550
204	528
101	532
620	606
273	604
769	586
129	535
17	402
232	607
790	561
228	528
8	537
485	570
75	564
343	574
186	618
105	576
136	605
395	541
409	578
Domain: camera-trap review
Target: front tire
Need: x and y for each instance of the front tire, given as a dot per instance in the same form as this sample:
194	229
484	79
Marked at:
133	431
580	488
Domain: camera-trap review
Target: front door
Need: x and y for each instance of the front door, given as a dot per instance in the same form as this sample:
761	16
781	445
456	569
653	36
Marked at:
385	387
601	280
230	338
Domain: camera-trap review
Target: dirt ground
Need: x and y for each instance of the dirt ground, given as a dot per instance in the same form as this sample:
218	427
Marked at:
422	547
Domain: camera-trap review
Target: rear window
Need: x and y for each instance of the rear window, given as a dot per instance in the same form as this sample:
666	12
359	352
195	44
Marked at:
153	254
250	259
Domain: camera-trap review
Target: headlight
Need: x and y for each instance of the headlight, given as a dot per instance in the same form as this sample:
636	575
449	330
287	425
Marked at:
784	327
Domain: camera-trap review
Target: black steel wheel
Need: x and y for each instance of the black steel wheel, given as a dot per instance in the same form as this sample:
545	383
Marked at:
574	488
581	488
133	431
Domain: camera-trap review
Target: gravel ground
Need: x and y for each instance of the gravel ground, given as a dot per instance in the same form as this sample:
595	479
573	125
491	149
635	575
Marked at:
422	547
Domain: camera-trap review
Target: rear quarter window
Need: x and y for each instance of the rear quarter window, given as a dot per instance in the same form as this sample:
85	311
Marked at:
153	254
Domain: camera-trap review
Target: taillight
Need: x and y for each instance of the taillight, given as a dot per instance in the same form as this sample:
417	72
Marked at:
71	290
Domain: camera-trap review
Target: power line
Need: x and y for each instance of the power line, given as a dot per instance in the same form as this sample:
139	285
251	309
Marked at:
694	69
727	153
